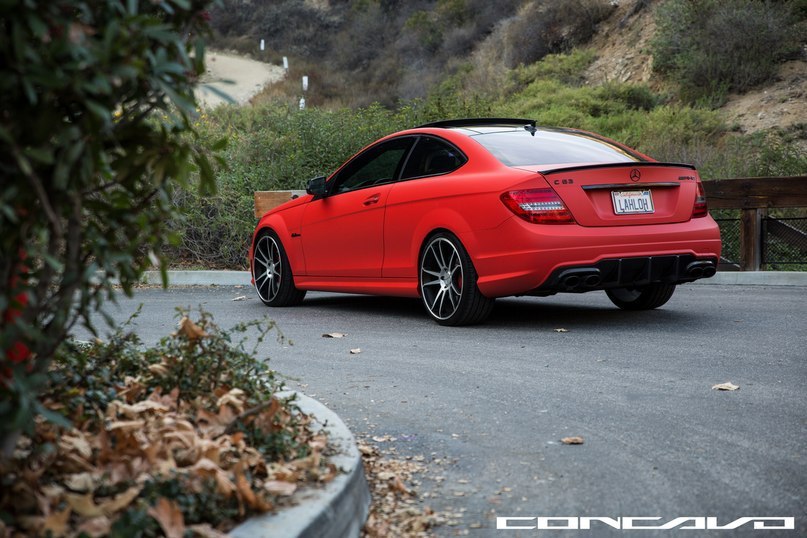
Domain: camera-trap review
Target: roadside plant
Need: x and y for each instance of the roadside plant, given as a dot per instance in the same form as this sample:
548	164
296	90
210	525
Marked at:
187	435
96	103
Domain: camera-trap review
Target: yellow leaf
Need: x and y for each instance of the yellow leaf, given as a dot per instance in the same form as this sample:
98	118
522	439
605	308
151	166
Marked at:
120	501
56	522
191	330
572	440
169	516
83	505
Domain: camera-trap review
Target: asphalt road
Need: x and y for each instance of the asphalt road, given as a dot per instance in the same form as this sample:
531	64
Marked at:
487	406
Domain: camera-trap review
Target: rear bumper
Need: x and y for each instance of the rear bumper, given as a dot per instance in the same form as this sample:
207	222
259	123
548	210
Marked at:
628	272
520	258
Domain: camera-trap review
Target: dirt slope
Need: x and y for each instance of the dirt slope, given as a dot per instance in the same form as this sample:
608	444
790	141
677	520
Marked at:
623	48
240	78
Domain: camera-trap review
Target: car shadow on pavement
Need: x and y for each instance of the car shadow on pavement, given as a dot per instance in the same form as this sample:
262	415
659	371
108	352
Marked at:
370	305
542	313
557	312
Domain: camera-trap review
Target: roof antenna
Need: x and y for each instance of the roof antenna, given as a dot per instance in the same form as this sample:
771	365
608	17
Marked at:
531	128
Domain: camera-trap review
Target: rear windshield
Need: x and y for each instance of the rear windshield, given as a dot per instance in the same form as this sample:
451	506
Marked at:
520	148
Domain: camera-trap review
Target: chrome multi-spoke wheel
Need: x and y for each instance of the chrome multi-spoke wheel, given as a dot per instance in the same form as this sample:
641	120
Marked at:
266	268
272	273
448	283
441	278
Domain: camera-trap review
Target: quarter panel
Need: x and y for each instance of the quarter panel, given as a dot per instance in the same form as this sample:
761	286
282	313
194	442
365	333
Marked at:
459	203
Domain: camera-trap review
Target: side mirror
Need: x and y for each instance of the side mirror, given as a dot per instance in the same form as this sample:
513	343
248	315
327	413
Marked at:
317	187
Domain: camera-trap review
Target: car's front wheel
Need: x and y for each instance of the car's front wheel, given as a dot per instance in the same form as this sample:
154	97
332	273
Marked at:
448	283
641	297
272	272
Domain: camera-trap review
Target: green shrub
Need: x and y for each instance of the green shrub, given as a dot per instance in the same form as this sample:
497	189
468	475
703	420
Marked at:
568	68
714	46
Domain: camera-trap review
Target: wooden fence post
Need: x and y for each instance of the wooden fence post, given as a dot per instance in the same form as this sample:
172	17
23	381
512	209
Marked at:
751	239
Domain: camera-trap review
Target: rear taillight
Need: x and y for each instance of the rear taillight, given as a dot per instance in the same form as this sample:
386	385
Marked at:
700	208
539	206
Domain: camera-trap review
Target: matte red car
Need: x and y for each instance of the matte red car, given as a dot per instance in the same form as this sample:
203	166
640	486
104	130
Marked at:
460	212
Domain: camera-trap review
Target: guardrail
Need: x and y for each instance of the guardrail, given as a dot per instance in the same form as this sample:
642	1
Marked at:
752	196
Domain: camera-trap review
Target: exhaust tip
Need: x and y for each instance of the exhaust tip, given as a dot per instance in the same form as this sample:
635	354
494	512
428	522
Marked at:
709	270
592	281
571	282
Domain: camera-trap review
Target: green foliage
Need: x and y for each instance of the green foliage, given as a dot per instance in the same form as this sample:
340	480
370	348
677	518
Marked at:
276	147
96	100
715	46
566	68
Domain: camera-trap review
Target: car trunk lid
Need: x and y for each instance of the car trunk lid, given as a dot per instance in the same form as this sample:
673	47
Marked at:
624	194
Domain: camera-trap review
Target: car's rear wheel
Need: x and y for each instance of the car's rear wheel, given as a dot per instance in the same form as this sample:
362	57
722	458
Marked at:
272	272
641	297
448	283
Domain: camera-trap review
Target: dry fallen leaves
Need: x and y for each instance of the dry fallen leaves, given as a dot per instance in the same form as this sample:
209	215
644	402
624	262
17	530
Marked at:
396	509
355	351
561	330
576	440
98	472
728	385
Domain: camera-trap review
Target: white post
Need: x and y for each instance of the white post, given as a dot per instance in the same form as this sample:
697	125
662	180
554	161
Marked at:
263	45
286	63
302	103
305	83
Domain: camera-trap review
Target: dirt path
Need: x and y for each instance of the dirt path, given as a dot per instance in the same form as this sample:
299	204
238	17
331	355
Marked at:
238	77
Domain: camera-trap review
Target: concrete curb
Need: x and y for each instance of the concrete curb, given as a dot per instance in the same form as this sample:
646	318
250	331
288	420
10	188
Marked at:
242	278
337	510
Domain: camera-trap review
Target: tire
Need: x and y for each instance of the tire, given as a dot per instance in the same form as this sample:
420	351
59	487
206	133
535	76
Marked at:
447	281
272	273
641	298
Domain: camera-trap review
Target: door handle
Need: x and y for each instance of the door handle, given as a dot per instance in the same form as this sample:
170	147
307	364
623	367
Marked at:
372	200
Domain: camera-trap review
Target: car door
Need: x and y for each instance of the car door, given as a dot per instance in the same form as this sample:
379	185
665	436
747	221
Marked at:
343	232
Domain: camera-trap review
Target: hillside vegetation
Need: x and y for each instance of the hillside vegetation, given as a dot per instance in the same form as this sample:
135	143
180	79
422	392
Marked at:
379	66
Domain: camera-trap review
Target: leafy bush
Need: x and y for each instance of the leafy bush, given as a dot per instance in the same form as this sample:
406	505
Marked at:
96	100
715	46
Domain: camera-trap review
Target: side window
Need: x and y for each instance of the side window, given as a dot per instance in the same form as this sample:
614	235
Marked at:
376	166
432	157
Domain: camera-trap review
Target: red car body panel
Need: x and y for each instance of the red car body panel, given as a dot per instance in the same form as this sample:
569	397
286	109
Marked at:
369	240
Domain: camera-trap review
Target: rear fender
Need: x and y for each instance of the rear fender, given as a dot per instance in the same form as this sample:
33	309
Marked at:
440	220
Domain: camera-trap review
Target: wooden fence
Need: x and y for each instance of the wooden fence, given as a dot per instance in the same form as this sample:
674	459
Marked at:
752	196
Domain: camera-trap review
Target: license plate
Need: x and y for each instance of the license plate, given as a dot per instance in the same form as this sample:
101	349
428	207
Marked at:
632	202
